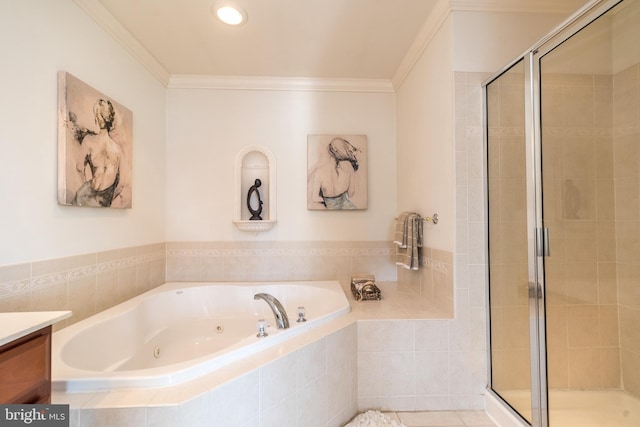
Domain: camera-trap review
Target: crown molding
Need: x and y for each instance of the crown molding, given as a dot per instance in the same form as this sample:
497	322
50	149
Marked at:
437	17
105	19
185	81
514	6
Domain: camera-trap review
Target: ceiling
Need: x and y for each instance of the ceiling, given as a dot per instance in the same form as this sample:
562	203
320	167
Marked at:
317	39
362	39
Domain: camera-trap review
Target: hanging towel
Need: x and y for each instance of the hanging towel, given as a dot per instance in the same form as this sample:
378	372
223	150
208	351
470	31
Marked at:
400	237
408	239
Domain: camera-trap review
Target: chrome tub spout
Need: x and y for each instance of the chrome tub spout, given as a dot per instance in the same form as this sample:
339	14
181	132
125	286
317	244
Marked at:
278	310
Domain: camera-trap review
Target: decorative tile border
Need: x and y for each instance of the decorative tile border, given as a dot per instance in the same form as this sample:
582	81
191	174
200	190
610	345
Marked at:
31	282
194	252
435	265
189	260
27	284
555	131
495	131
14	288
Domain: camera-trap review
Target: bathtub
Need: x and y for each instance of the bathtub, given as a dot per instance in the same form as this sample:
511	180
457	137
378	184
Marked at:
180	330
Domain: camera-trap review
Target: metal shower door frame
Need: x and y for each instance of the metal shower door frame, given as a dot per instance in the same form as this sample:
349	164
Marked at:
538	239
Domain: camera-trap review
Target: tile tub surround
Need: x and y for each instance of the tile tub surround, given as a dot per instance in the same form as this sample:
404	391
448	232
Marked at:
85	284
434	279
310	380
322	373
268	261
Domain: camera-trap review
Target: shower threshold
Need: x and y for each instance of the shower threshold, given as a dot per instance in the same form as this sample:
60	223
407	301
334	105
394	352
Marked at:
584	408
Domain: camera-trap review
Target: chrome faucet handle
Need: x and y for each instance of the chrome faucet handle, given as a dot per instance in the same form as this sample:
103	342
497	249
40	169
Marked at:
301	314
262	326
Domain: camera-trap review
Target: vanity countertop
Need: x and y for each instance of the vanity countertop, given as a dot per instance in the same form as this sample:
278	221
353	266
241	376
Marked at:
18	324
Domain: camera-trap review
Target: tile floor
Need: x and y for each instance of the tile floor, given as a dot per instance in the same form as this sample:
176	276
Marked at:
443	419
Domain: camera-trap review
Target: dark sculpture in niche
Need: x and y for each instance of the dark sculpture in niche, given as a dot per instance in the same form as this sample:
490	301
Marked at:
255	213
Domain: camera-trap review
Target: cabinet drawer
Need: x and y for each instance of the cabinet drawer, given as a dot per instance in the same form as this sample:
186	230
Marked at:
25	369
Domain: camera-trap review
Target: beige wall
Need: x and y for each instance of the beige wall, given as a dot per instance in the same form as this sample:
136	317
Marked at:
32	225
207	128
425	140
486	41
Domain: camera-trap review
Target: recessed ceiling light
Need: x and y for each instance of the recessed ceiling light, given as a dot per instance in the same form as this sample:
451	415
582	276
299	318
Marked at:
230	14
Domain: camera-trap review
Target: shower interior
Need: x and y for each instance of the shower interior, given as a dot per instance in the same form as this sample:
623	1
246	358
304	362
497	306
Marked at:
563	173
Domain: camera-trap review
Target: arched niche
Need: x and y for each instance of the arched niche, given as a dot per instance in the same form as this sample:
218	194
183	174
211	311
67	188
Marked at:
255	162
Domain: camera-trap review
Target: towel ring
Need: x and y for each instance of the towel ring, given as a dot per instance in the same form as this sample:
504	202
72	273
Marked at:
433	218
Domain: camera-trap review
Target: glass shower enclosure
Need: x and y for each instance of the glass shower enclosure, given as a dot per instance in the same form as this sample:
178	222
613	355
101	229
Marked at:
563	195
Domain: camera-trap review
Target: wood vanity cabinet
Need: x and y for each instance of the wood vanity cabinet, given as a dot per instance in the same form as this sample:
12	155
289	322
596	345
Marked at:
25	369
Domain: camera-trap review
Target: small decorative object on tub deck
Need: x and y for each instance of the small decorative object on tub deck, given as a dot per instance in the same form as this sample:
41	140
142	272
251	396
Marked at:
364	287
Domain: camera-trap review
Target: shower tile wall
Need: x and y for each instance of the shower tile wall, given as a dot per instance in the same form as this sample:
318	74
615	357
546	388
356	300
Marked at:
580	275
579	172
591	170
626	140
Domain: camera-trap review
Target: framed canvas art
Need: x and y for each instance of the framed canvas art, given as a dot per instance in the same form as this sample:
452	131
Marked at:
336	172
94	147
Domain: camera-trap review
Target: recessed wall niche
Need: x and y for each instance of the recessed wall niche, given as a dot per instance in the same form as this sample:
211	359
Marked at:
252	163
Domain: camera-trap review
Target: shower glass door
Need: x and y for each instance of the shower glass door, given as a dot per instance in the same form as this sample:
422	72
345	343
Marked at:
508	263
563	184
590	149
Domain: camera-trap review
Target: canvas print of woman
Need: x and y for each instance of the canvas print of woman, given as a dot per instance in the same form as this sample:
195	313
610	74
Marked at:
337	172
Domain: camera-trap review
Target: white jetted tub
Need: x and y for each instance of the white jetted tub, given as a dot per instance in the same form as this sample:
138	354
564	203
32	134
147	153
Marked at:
181	330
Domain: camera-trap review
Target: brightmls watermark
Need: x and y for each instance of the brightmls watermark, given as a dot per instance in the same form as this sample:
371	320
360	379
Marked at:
34	415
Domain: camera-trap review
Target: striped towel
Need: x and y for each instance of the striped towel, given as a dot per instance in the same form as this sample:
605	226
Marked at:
408	238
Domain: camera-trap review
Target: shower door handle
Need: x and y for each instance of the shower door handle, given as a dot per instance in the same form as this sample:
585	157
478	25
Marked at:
545	242
542	242
534	290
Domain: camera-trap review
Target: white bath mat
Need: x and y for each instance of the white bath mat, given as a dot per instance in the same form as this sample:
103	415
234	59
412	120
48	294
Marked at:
373	419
